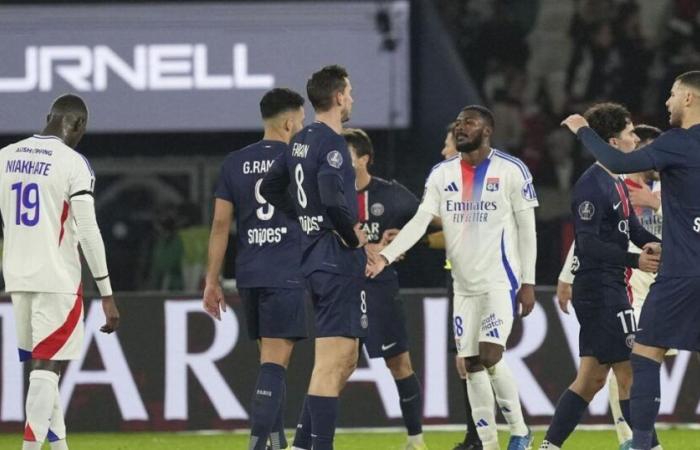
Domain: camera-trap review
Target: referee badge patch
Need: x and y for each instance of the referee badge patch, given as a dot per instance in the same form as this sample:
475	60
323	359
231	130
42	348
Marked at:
586	210
335	159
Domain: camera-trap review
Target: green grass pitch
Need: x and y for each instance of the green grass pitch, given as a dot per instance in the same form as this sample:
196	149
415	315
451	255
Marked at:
671	439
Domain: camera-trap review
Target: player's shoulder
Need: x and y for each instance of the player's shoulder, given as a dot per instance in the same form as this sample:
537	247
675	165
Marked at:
592	180
444	165
511	163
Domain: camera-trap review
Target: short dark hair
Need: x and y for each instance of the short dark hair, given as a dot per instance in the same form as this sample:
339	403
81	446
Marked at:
69	104
608	119
279	100
484	112
646	132
324	84
691	79
360	142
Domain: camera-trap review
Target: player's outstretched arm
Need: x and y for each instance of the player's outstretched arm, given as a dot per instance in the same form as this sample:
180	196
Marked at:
409	235
213	299
90	238
610	157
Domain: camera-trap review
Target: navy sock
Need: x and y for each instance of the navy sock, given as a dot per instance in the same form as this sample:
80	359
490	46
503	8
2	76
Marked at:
324	411
267	399
645	400
570	409
302	438
625	407
472	436
411	399
277	437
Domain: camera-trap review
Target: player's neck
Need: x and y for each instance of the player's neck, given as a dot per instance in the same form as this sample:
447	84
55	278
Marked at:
477	156
53	129
331	118
362	180
272	134
690	120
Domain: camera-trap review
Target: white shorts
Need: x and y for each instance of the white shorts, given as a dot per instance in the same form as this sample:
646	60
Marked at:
482	318
49	325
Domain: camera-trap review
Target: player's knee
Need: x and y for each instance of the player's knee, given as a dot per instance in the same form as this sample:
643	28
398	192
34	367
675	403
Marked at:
400	366
490	358
473	364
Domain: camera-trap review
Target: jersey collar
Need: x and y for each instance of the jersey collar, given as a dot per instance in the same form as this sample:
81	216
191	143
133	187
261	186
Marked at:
41	136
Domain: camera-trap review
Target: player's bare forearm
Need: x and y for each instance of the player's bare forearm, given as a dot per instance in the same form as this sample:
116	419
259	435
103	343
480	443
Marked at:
526	298
218	239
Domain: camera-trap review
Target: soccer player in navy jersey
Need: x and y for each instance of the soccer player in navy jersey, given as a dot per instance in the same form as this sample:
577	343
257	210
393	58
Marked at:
671	312
267	237
604	223
384	206
318	169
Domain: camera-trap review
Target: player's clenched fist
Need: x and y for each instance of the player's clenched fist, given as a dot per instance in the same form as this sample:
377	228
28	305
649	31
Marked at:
574	122
213	301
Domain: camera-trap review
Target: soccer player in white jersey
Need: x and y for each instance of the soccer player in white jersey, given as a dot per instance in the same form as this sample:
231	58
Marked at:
645	189
47	206
486	201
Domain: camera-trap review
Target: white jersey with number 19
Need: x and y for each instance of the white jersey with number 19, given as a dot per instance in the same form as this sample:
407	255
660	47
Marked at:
39	175
477	206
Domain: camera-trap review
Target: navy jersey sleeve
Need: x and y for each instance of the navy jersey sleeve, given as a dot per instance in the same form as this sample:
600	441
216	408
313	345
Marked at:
407	204
588	208
332	164
612	158
275	184
224	190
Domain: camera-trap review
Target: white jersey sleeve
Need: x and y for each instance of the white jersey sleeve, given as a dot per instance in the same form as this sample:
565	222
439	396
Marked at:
431	195
522	191
81	179
566	275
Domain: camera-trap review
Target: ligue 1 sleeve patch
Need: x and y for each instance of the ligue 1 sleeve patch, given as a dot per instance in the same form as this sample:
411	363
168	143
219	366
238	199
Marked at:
586	210
335	159
528	191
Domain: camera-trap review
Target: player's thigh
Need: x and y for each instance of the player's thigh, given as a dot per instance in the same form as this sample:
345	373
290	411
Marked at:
341	305
466	323
57	326
387	335
671	314
497	313
335	353
607	332
282	313
22	309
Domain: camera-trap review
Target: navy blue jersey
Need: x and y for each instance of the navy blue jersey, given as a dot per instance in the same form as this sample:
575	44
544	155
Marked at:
676	156
319	171
604	222
384	205
268	240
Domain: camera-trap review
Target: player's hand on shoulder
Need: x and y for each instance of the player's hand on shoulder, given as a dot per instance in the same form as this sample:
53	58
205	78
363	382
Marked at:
575	122
109	306
564	295
213	300
526	298
361	235
649	262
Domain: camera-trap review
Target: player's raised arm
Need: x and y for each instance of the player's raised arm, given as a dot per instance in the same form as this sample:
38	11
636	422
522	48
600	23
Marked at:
609	156
82	204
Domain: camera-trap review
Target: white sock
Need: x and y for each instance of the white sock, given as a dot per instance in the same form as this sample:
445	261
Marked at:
41	396
507	397
57	425
546	445
622	428
482	401
416	439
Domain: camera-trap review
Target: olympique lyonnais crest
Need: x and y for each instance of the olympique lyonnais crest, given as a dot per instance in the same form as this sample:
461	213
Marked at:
492	184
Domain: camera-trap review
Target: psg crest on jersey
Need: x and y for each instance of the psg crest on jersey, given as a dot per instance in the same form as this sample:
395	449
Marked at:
492	184
335	159
377	209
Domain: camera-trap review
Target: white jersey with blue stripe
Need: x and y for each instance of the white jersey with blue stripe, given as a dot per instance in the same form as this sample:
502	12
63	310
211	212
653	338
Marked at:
40	251
477	206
